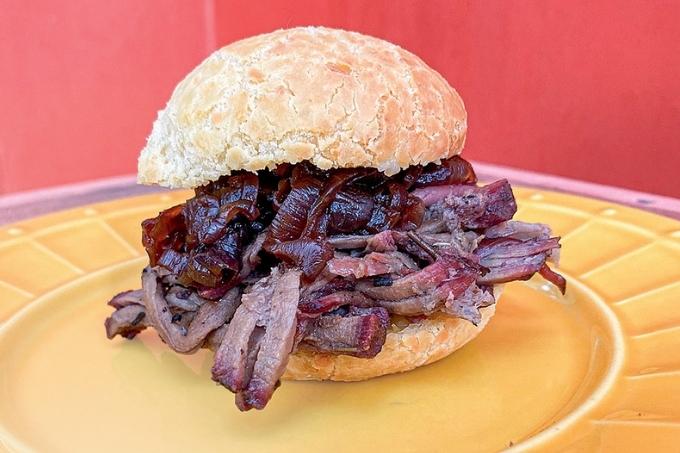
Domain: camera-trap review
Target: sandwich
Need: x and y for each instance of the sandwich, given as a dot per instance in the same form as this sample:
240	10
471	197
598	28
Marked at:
334	232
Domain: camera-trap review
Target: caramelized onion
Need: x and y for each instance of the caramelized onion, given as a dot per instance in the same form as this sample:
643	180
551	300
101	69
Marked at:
174	261
455	170
309	255
389	208
296	207
291	219
318	216
316	223
410	176
412	214
350	211
162	232
203	220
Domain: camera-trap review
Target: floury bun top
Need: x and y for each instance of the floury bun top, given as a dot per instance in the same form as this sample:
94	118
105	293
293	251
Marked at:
332	97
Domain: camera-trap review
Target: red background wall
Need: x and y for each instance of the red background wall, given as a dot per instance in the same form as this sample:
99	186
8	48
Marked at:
589	90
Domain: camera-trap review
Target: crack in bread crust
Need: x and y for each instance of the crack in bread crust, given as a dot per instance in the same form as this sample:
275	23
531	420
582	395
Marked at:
335	98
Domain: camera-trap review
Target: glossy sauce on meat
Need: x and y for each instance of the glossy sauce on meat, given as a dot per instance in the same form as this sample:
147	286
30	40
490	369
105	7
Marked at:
255	266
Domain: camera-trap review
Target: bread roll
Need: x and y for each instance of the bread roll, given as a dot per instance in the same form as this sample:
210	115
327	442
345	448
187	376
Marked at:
332	97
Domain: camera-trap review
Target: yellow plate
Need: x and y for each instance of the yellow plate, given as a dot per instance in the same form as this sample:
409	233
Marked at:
596	370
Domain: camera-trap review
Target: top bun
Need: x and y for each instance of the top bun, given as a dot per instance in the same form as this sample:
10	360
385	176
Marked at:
332	97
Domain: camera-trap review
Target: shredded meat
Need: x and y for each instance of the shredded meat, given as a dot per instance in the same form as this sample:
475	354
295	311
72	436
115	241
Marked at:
272	306
473	207
444	269
385	241
254	266
425	291
251	257
468	304
554	278
521	231
348	241
314	306
360	333
508	259
372	264
276	344
127	321
210	315
230	359
214	339
127	298
183	298
353	333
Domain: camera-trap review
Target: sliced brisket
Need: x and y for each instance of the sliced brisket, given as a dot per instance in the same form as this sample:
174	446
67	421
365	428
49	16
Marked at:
475	207
360	333
210	315
508	259
126	321
126	298
272	305
372	264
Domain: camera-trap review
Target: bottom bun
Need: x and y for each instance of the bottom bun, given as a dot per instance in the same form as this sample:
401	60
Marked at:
416	345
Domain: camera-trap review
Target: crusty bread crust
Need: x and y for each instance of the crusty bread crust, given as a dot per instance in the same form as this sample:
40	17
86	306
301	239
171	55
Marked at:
418	344
333	97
